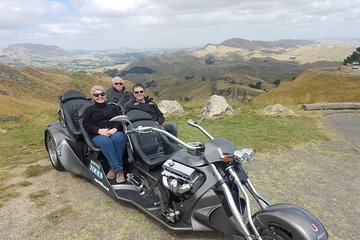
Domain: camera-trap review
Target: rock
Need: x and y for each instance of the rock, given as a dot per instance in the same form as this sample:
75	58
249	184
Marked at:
277	109
168	107
218	105
331	106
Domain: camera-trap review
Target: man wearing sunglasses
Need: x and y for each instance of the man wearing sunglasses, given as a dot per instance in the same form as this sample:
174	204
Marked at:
117	93
105	134
142	103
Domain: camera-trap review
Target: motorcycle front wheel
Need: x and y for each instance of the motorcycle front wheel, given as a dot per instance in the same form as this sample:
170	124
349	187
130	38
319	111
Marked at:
276	232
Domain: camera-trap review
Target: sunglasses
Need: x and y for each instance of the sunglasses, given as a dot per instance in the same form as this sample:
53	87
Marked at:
118	83
99	94
137	92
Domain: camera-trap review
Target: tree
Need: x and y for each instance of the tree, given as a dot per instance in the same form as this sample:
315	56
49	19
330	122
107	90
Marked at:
276	82
354	57
256	85
150	84
209	59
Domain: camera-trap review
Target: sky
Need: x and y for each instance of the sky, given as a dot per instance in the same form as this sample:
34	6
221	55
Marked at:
113	24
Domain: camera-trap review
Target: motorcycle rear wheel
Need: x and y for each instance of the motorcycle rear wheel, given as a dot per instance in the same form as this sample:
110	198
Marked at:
51	149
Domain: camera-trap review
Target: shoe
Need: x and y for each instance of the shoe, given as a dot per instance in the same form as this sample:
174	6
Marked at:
110	174
120	178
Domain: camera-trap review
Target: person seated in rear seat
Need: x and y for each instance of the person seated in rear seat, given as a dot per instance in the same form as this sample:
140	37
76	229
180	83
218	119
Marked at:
117	93
106	135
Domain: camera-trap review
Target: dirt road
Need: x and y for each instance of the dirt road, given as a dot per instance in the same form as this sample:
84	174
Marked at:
323	177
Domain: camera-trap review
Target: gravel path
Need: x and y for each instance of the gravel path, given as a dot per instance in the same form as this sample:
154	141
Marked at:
322	177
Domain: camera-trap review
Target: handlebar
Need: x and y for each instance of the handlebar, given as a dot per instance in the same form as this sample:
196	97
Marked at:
195	124
142	129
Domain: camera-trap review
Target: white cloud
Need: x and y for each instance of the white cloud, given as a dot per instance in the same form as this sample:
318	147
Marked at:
173	23
16	14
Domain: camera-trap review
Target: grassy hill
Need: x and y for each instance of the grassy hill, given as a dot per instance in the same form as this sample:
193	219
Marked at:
185	74
300	51
315	86
28	91
238	63
33	90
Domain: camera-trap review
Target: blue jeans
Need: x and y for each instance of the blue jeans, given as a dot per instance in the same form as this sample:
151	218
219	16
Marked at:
171	128
113	148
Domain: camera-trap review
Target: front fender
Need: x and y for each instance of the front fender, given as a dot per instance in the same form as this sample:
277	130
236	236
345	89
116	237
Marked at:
299	222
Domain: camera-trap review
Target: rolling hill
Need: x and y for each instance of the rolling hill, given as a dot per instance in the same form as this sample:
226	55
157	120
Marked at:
239	69
29	91
314	86
300	51
236	64
40	55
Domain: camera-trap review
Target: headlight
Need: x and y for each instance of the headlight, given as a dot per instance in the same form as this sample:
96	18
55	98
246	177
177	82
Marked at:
243	155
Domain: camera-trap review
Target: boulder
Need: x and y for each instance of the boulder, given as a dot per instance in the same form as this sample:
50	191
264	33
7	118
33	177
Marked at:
276	110
217	105
168	107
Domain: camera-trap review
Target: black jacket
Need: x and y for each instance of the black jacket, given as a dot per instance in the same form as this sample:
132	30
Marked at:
149	107
98	116
122	97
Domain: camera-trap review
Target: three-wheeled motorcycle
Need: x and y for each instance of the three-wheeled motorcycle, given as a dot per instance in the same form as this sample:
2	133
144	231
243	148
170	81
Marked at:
186	186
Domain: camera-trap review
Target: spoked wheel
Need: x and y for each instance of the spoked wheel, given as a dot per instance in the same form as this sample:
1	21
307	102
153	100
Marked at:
276	232
51	149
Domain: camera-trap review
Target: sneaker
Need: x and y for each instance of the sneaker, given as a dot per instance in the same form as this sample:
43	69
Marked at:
110	174
120	178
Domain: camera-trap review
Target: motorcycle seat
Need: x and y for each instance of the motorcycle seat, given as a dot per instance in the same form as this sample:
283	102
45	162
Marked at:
151	148
70	104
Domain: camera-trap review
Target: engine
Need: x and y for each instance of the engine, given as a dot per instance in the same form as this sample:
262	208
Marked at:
180	179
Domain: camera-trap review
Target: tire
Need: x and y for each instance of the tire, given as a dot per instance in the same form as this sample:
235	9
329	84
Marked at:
276	232
51	149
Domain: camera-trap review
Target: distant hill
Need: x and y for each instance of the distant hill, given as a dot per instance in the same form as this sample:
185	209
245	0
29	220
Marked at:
181	75
240	69
253	45
242	63
30	91
38	50
50	56
300	51
315	86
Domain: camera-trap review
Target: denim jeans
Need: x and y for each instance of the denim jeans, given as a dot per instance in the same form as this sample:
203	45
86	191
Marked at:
113	148
171	128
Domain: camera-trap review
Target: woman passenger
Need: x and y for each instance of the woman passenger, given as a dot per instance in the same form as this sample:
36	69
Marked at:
106	135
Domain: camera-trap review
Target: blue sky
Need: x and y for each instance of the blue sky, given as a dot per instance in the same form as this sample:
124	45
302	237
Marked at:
112	24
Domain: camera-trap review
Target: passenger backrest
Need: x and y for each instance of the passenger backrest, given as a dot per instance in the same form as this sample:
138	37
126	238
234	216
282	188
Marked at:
151	147
70	104
82	129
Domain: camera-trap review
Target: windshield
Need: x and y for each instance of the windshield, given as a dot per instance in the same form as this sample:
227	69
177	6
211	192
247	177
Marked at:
212	153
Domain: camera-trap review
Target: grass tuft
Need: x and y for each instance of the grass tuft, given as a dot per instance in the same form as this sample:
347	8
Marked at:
61	215
7	192
24	184
38	197
36	170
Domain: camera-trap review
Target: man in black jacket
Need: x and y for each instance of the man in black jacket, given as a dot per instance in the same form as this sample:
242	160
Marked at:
117	93
142	103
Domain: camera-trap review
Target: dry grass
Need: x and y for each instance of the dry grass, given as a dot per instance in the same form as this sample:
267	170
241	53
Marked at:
37	170
38	197
315	86
304	54
61	215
